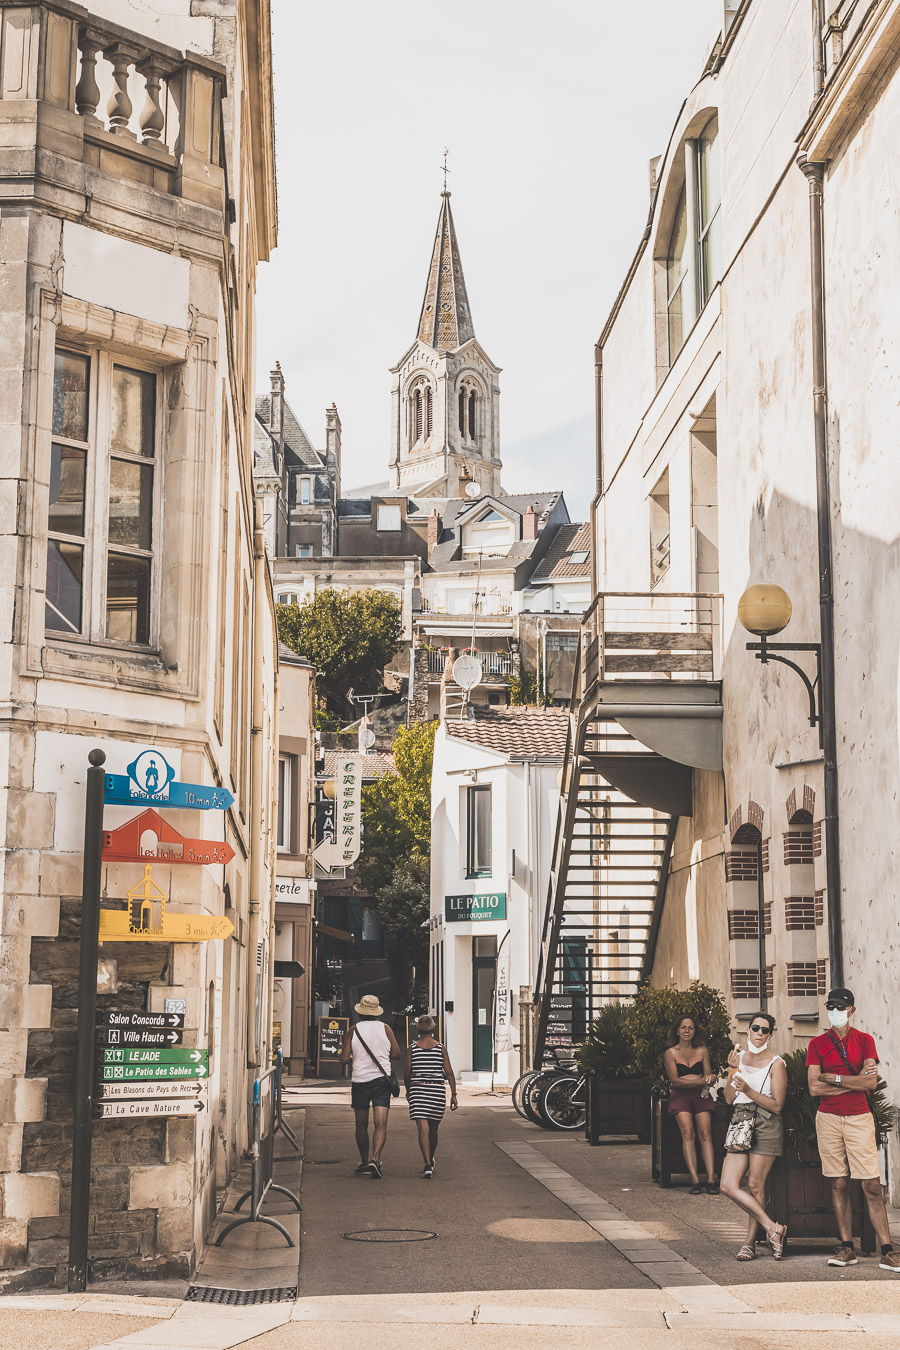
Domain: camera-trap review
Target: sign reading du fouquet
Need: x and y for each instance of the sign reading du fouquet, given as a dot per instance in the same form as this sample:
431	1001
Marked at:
471	908
344	849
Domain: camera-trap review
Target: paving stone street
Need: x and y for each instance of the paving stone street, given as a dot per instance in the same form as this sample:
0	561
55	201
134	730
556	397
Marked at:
537	1240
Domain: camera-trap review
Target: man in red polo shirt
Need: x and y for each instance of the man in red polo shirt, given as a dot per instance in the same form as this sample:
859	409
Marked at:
842	1069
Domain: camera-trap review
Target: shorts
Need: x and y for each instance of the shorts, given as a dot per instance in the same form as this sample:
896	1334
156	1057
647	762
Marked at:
768	1134
377	1092
690	1100
847	1145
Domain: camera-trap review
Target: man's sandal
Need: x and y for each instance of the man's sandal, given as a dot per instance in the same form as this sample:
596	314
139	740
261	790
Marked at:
747	1252
777	1240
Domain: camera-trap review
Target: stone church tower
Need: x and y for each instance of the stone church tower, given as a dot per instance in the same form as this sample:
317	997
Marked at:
445	395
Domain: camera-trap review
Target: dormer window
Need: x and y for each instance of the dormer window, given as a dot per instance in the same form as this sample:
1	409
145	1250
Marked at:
491	535
305	491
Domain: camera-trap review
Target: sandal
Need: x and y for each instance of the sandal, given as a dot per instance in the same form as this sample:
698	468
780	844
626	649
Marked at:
777	1240
747	1252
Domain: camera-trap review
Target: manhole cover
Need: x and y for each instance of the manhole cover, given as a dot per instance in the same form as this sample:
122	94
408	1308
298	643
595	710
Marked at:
390	1235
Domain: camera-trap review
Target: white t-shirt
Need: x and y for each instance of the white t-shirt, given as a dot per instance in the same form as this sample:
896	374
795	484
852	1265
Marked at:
755	1075
375	1036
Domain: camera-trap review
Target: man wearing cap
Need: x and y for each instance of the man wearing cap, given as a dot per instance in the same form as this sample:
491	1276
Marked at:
372	1046
842	1069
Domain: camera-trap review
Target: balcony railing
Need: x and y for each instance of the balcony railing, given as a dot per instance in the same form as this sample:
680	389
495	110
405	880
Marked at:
493	663
462	605
637	635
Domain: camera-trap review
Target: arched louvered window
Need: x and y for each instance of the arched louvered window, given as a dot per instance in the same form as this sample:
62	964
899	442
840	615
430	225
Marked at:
472	415
417	415
429	411
462	412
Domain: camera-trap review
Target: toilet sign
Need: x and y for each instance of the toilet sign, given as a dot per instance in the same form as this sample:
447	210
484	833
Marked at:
150	781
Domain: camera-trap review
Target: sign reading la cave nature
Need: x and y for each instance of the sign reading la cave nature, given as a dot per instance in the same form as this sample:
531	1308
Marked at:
471	908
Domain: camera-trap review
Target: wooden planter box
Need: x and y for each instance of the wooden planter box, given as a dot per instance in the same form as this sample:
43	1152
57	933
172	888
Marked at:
666	1157
802	1200
617	1106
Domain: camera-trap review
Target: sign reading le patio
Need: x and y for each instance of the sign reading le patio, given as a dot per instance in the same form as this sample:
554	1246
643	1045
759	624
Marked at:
471	908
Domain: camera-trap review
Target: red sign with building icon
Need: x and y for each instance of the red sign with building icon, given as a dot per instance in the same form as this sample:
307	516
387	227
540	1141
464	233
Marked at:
149	838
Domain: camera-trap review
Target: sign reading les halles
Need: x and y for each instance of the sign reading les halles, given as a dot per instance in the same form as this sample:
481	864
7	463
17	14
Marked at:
148	837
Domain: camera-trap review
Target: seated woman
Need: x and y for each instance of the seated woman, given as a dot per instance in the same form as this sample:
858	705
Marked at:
690	1075
757	1080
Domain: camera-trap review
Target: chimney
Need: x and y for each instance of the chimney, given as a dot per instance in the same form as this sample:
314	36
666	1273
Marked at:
276	408
530	524
333	446
434	529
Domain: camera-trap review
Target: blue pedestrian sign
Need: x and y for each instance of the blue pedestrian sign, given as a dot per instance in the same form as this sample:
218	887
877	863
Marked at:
150	781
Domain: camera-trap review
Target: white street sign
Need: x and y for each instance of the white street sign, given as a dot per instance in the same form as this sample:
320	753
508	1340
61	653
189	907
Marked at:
179	1106
169	1090
347	815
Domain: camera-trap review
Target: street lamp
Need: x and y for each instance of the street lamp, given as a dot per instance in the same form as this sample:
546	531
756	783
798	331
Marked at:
765	610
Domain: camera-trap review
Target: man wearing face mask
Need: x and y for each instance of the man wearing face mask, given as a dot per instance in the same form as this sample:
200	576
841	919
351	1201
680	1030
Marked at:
842	1069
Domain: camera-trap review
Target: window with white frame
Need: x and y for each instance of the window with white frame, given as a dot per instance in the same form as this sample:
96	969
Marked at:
492	535
388	518
694	256
285	796
103	513
289	598
305	491
478	830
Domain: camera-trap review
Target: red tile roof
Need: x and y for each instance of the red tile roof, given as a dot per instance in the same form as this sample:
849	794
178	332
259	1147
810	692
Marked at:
519	732
556	565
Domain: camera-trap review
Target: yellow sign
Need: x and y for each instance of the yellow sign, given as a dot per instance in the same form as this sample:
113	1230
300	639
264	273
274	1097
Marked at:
116	925
146	907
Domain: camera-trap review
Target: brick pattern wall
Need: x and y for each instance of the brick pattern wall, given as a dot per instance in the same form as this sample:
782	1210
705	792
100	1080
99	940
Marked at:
819	908
817	839
745	982
744	923
740	865
805	979
798	847
800	913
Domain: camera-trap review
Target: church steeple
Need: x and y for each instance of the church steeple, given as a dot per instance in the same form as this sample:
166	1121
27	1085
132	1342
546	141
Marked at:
446	320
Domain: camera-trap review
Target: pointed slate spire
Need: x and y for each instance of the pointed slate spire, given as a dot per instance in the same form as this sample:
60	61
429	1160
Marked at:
446	320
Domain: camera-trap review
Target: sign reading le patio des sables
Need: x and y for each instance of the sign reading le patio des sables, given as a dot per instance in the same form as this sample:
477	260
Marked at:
471	908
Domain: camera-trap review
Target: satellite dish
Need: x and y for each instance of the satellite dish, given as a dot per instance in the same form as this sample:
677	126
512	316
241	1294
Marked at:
473	490
278	999
467	671
367	739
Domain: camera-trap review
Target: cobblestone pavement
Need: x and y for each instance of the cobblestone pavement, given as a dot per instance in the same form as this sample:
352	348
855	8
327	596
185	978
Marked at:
539	1241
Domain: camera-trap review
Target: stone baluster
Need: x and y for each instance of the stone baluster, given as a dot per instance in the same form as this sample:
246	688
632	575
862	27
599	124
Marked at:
87	90
119	108
153	119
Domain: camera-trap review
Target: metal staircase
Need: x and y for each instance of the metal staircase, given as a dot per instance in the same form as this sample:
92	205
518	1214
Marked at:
644	684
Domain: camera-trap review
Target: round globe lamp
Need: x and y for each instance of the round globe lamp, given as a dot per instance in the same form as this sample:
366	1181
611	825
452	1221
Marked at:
329	788
764	610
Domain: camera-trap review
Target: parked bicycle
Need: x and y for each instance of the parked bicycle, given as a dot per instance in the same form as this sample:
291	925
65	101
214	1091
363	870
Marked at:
532	1089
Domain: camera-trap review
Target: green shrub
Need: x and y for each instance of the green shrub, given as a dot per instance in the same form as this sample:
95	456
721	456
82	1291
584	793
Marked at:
655	1010
608	1050
799	1111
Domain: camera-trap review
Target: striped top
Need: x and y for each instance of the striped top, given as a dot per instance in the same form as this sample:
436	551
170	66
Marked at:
427	1065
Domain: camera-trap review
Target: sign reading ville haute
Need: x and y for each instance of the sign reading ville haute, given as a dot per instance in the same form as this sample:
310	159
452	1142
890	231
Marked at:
471	908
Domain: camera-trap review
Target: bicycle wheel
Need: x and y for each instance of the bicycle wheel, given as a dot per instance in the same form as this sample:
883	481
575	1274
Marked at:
532	1093
519	1088
557	1105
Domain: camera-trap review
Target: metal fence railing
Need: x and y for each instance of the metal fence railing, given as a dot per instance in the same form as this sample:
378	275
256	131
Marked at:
267	1121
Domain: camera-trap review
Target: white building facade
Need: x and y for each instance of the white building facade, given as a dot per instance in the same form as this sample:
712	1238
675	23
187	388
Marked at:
494	795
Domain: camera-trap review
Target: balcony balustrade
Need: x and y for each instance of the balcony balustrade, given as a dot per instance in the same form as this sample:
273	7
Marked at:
493	663
462	604
636	635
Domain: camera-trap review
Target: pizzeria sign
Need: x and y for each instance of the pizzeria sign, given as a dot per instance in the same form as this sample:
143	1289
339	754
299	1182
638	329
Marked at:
472	908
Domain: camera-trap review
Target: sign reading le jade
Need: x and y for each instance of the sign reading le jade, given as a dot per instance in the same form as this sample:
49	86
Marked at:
470	908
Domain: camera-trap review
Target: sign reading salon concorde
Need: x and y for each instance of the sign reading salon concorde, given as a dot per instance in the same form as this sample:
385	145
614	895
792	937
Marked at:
472	908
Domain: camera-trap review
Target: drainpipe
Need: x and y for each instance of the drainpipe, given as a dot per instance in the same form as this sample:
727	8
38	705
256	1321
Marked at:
818	26
598	491
761	922
815	174
258	840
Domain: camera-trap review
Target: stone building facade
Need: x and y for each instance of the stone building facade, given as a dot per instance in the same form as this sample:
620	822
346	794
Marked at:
772	210
137	198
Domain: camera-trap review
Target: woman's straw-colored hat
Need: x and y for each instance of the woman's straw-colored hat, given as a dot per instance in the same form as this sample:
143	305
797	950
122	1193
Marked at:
368	1006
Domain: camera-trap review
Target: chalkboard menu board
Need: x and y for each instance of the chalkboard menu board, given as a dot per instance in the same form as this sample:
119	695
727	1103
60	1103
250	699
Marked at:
559	1022
332	1031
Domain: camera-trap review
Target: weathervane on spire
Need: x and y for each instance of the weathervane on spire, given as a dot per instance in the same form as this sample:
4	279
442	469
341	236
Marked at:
445	169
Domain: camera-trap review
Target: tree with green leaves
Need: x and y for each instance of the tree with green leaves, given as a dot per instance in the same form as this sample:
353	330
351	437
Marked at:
396	859
349	636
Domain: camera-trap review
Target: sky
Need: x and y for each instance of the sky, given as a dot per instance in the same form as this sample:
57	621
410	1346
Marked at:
551	113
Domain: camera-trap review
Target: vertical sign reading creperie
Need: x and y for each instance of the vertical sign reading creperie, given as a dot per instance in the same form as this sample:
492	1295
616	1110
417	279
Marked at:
344	849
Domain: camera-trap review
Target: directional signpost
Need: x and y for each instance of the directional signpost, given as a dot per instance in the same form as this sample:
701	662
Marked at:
152	1073
188	1087
158	1021
113	1036
149	782
166	1106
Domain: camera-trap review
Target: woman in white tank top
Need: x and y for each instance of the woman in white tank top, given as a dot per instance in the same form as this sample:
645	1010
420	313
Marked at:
757	1084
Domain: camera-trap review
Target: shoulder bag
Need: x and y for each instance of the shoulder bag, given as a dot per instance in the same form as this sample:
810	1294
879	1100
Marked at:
391	1079
739	1138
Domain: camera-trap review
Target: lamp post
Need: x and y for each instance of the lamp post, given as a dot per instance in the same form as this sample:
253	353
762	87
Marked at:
765	610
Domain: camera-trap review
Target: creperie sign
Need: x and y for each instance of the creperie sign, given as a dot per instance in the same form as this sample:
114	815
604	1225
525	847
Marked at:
347	815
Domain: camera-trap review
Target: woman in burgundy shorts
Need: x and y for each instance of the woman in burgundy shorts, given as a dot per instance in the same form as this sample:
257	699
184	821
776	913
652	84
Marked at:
690	1075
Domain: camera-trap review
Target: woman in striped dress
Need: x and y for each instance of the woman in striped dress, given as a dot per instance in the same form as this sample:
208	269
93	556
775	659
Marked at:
427	1068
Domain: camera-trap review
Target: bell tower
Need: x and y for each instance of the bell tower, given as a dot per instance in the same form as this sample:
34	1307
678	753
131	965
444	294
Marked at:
445	394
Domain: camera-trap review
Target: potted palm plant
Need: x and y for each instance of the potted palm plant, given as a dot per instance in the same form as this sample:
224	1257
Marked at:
618	1097
653	1013
802	1196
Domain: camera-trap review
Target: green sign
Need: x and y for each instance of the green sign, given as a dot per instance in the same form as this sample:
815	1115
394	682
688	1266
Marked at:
152	1073
471	908
133	1055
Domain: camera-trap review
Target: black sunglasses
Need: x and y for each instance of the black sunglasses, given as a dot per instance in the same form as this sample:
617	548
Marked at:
837	1007
760	1026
